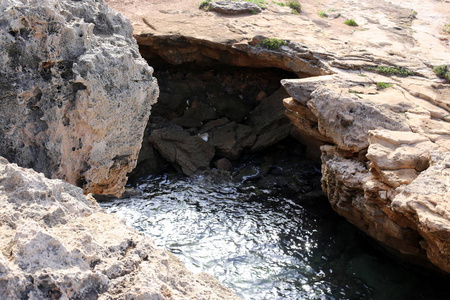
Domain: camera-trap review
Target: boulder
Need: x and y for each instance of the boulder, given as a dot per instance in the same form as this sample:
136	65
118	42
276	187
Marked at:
56	243
76	94
189	153
233	7
269	122
229	138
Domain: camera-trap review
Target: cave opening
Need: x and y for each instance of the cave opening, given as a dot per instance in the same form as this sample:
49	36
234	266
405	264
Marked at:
210	113
254	215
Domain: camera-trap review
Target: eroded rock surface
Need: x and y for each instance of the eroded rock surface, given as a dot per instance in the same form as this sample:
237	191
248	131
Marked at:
76	94
381	131
386	173
56	243
233	8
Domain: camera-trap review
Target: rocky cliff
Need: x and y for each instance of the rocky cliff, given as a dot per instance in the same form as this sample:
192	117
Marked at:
380	114
385	165
57	243
75	93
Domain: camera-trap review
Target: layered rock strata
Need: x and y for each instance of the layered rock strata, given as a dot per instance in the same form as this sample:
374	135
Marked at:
384	163
76	94
57	243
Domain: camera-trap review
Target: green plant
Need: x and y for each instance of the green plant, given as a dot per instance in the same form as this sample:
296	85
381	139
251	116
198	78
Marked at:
295	6
442	71
383	85
205	4
271	43
446	28
351	22
323	14
386	70
414	13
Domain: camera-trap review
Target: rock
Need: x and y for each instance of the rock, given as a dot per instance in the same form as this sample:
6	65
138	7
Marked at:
340	112
53	245
233	7
229	138
76	94
229	106
149	161
426	203
189	153
269	122
380	149
223	164
196	114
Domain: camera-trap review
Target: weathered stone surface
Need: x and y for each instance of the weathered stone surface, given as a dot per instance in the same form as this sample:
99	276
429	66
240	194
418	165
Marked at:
56	243
229	138
381	148
342	109
269	122
426	203
233	7
189	152
76	94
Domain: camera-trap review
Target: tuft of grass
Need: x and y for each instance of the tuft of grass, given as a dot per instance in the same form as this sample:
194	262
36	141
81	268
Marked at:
386	70
442	71
383	85
351	22
323	14
446	28
295	6
205	4
271	43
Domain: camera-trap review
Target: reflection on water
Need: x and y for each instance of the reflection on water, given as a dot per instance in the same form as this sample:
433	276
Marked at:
264	243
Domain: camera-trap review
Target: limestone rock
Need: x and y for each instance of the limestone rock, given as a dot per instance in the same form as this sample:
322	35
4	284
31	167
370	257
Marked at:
233	7
269	121
383	144
340	111
76	94
56	243
427	204
190	153
229	138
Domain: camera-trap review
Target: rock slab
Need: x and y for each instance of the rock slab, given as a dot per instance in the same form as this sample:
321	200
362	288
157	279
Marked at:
76	94
56	243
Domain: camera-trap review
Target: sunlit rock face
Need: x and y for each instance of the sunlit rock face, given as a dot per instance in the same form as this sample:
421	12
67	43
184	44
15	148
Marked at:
384	157
76	93
56	243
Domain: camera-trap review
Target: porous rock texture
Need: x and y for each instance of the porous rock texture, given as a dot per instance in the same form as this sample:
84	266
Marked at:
57	243
384	157
384	151
75	93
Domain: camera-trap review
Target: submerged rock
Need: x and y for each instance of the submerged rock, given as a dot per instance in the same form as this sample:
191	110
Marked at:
56	243
76	94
